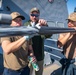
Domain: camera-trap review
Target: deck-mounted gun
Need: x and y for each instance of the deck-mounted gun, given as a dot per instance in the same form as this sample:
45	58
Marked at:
23	30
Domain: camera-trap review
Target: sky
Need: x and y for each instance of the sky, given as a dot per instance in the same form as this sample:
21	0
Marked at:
71	4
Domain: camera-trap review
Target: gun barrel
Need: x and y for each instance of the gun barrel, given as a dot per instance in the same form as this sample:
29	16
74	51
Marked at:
54	30
23	30
5	19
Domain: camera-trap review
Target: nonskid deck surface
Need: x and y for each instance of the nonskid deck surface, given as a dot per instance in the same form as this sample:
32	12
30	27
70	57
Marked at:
53	69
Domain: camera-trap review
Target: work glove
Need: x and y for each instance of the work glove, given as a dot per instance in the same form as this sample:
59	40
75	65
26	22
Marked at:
28	37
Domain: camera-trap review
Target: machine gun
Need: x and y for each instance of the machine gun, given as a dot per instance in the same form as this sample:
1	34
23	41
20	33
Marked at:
25	30
6	30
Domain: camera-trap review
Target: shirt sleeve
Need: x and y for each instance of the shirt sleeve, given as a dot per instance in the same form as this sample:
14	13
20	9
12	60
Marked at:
5	38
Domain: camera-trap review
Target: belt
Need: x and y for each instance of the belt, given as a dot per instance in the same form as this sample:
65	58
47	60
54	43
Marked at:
20	70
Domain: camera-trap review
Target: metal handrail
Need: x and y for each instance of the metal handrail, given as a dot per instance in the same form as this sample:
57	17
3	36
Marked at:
53	48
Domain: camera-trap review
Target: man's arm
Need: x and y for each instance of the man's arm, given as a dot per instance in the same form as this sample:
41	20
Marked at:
9	46
43	22
31	53
63	39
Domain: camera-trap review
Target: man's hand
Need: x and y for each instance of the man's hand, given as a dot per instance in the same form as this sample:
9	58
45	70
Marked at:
32	59
73	33
42	22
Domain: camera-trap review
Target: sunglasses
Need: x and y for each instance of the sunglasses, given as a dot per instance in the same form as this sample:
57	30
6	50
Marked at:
36	15
70	21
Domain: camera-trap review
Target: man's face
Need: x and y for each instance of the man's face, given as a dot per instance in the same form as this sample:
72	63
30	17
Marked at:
34	16
16	22
71	23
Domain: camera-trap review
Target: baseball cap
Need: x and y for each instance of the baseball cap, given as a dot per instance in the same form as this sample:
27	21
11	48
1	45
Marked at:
35	9
16	14
72	16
